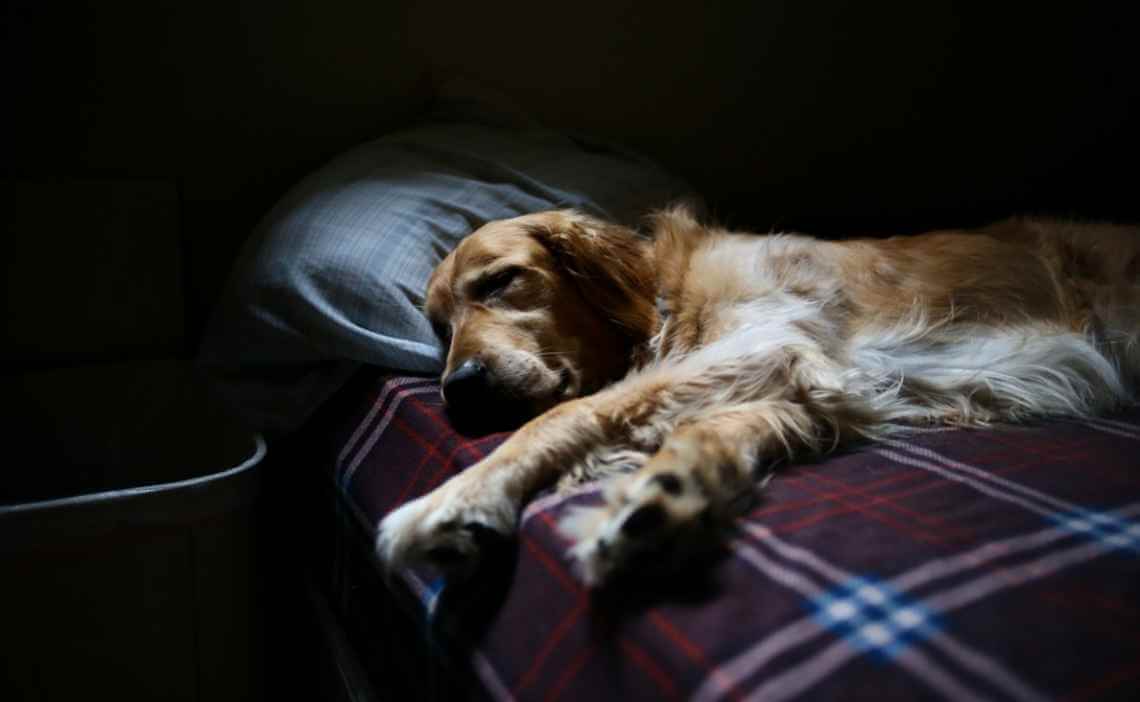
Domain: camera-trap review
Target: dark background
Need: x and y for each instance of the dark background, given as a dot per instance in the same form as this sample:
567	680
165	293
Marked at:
144	139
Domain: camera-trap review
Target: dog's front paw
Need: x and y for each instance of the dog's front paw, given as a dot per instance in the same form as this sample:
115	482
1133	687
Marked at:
446	528
655	518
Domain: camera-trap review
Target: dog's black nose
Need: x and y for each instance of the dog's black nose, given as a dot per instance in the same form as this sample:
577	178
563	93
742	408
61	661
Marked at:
465	385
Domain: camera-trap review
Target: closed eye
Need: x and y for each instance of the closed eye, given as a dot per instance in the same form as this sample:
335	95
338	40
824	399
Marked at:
495	282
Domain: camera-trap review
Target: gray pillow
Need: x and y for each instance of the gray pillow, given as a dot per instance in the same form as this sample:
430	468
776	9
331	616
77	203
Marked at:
333	277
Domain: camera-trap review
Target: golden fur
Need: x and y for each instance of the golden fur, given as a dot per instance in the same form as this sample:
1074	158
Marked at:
686	363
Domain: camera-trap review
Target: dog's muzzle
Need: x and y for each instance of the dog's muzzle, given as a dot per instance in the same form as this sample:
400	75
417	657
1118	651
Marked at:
475	399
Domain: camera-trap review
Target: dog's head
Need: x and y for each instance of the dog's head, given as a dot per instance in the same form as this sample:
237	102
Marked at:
539	309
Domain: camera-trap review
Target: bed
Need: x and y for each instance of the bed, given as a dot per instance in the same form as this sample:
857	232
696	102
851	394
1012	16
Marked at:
941	564
999	564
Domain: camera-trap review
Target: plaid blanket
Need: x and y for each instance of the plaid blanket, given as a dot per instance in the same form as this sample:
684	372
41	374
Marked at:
997	564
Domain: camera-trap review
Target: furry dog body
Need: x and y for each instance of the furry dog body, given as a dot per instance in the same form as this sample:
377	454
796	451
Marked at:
682	364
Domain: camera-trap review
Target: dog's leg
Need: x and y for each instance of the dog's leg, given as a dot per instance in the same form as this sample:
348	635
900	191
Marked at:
444	526
637	413
693	486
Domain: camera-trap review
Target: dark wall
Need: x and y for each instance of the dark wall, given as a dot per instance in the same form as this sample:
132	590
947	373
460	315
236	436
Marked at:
851	113
225	102
829	116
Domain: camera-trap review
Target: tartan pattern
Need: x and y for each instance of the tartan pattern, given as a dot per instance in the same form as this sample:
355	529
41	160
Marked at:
873	618
948	564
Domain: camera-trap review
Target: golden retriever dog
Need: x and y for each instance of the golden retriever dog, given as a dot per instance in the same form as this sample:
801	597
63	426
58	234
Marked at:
684	364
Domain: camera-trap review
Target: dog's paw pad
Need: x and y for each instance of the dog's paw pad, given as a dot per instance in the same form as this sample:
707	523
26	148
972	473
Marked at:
670	483
649	514
643	521
448	535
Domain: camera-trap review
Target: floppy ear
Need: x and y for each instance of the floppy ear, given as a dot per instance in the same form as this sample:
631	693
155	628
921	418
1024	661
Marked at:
612	265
